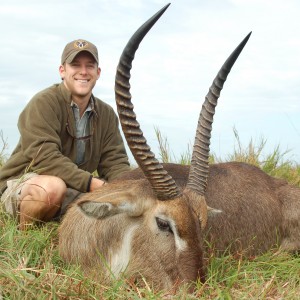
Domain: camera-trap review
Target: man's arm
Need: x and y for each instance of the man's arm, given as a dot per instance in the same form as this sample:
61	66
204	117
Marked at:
41	126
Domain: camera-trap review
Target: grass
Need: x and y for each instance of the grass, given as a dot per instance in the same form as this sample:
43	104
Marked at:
3	149
165	154
30	266
275	164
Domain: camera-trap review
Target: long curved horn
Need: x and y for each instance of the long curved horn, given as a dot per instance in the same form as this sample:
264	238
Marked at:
162	183
197	180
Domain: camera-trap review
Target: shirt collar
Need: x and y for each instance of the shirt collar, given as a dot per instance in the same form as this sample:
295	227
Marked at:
90	107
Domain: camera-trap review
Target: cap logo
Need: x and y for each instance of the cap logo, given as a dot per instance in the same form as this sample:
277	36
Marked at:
81	44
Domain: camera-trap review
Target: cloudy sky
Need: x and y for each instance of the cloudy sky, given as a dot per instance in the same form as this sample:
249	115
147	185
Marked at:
173	68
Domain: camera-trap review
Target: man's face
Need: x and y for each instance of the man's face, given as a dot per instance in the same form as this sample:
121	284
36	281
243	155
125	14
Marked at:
80	75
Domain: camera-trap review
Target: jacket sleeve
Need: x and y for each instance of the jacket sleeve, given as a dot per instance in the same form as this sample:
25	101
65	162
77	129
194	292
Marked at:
114	160
40	126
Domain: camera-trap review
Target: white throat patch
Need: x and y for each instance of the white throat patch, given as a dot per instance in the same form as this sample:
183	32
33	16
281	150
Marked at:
120	259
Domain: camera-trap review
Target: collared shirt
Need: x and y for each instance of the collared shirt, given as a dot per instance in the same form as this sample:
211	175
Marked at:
82	129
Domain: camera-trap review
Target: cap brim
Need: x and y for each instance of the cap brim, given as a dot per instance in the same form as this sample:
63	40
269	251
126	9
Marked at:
71	57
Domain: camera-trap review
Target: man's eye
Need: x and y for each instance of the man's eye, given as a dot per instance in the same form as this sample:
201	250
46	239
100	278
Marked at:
163	225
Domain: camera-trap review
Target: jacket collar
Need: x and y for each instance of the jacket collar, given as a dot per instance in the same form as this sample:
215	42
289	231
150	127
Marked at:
65	93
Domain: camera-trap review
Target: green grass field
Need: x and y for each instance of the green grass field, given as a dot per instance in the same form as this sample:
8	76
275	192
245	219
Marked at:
30	266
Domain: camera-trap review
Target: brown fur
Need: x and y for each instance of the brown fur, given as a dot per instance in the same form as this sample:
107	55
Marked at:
258	212
154	254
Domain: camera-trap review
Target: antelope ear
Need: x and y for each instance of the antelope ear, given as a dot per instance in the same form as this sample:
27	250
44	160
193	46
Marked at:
98	210
211	212
128	198
208	212
101	210
108	205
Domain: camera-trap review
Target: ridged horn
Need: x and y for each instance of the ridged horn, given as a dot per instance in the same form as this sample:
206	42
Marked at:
162	183
198	175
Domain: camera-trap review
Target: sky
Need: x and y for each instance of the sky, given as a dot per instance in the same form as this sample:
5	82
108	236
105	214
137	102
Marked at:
173	67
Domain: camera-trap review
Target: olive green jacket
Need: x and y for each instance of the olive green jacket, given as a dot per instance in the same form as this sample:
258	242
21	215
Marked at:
47	144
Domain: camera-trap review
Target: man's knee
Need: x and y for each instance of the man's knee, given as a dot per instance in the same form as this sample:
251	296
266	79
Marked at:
42	197
44	189
56	190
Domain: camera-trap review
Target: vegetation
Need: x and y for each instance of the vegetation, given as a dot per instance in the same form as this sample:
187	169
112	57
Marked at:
2	149
30	267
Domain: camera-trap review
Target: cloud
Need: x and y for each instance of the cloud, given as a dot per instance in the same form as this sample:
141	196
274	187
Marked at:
174	65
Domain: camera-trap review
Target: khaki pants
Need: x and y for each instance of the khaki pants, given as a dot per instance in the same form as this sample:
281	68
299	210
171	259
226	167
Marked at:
11	197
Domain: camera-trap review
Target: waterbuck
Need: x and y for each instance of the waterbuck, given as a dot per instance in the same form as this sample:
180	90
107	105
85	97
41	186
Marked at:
153	221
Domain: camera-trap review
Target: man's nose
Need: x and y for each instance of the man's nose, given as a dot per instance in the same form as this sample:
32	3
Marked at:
83	70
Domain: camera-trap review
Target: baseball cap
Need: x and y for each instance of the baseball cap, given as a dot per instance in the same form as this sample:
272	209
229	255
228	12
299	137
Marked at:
77	46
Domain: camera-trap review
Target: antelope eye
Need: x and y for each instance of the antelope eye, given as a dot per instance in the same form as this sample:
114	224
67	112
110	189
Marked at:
163	225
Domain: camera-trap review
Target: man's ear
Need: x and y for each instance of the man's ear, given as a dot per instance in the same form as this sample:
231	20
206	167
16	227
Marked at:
61	70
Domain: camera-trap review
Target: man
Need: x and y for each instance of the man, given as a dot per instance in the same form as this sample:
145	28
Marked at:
65	135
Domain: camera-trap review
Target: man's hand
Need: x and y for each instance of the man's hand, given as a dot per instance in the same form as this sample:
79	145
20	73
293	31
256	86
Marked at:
96	184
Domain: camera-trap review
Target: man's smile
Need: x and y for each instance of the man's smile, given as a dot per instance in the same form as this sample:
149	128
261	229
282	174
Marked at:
82	80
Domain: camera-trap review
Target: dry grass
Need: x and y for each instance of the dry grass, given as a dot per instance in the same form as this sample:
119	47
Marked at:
30	266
